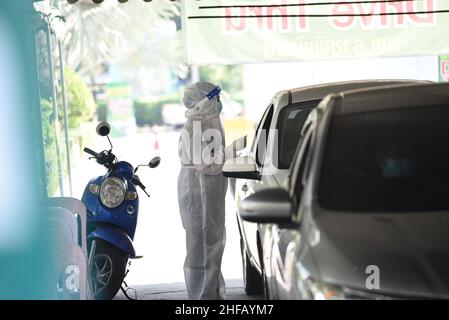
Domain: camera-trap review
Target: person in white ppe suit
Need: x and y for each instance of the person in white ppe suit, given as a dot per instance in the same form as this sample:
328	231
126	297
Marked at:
202	190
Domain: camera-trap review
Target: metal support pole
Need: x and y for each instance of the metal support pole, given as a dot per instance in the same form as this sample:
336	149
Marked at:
38	116
55	108
66	119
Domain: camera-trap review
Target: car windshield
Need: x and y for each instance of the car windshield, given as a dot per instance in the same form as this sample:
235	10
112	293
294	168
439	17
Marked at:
290	122
388	161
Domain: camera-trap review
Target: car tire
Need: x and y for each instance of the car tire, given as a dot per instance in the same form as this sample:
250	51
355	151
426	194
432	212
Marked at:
251	277
266	291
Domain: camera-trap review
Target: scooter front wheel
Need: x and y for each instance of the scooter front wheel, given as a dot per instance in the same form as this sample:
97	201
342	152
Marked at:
108	269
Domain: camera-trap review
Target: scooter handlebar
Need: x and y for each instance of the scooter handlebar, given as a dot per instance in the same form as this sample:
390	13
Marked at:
138	183
91	152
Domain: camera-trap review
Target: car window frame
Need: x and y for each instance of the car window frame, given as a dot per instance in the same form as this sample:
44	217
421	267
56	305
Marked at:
257	133
263	124
303	156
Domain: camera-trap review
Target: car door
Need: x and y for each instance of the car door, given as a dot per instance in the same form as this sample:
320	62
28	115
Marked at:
287	238
246	187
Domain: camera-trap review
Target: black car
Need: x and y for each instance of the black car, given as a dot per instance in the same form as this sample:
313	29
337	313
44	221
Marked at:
367	211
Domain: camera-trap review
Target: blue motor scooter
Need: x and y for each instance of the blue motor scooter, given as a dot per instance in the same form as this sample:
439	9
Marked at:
112	206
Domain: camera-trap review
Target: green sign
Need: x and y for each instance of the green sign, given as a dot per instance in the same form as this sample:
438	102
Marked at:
444	68
120	109
302	31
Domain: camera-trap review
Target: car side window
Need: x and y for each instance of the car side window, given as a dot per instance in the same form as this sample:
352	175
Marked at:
290	123
262	137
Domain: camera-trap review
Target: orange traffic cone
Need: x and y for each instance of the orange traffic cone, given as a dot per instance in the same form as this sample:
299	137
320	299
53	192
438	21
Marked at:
156	140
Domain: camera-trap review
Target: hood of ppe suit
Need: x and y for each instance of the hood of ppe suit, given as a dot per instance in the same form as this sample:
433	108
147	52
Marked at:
198	105
194	93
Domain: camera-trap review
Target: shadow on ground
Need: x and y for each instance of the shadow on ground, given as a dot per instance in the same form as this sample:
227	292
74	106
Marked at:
177	291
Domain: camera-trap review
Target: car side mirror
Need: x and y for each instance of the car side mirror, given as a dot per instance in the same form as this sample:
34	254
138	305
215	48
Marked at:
154	162
241	168
268	206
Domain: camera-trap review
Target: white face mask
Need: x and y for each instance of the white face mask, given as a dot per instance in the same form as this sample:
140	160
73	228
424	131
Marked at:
209	106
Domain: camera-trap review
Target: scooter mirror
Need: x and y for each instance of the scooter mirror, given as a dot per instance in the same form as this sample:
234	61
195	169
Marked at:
154	162
103	129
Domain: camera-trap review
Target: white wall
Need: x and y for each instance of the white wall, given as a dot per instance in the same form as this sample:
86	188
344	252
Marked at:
262	81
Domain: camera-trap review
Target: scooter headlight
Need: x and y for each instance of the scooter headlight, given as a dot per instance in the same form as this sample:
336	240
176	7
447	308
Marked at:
112	192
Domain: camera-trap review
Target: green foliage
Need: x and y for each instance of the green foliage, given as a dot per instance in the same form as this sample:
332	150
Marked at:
81	105
229	77
49	139
149	112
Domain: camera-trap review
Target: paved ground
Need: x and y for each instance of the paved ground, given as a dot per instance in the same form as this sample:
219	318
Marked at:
177	291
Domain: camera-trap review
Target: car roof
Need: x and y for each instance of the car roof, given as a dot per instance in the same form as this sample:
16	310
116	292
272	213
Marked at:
394	97
319	91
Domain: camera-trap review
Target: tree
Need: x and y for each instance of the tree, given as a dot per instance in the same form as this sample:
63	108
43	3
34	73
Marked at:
228	76
81	105
110	32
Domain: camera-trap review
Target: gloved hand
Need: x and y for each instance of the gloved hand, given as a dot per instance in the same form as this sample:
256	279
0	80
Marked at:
240	143
237	145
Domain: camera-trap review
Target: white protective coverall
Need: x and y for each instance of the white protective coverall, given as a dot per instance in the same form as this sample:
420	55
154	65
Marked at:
202	190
